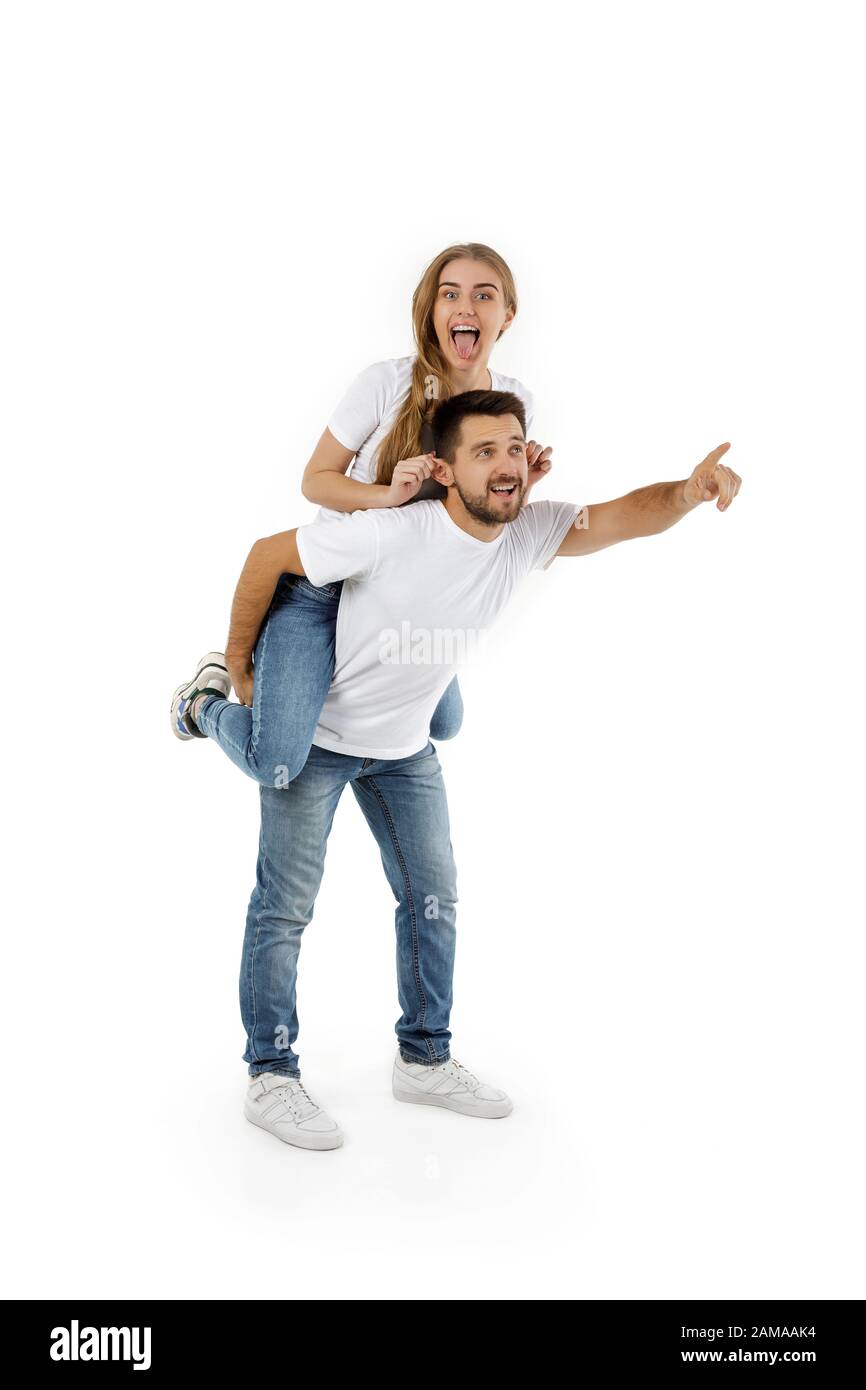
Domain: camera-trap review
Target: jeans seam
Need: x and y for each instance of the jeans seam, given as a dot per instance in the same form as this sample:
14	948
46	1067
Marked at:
264	899
410	898
256	728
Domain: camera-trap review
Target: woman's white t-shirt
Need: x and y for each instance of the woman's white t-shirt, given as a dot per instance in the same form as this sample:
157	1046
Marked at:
367	412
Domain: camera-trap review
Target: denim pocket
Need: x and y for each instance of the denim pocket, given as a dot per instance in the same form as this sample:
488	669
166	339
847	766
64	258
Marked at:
326	593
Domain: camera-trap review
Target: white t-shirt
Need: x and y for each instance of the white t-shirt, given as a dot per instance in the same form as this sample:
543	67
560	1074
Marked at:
418	595
367	412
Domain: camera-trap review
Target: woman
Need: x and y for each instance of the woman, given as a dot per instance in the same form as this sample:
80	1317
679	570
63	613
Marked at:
465	301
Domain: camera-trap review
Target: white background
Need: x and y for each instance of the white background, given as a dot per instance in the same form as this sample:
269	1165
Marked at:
215	216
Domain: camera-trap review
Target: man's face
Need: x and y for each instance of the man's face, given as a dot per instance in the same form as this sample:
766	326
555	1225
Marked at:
489	472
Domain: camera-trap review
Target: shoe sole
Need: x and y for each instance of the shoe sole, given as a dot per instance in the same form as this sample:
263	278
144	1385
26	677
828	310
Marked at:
481	1110
299	1141
184	738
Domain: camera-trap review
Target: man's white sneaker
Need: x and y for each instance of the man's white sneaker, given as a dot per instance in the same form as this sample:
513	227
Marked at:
283	1105
451	1085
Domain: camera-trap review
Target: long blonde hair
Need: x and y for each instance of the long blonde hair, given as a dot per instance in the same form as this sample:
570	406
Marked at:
430	383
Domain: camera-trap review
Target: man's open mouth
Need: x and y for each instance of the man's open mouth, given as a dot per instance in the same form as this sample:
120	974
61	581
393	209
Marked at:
464	336
504	489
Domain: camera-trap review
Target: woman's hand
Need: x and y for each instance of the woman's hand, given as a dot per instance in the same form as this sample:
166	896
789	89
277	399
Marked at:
240	670
537	463
409	474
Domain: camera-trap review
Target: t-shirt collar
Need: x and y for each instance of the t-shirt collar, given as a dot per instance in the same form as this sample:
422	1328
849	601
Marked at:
473	540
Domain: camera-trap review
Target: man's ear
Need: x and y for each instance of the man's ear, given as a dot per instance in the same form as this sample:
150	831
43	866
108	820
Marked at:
441	471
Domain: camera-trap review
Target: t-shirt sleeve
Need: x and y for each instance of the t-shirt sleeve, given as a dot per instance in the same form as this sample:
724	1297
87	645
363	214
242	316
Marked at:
547	524
527	399
529	407
342	547
363	407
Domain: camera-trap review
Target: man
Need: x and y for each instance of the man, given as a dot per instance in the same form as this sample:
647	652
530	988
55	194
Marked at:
418	583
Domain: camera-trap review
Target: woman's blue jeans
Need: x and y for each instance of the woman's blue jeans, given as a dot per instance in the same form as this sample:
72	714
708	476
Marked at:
405	806
293	665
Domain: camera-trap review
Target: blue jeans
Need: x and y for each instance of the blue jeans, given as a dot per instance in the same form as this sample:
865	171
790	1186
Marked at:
293	664
404	802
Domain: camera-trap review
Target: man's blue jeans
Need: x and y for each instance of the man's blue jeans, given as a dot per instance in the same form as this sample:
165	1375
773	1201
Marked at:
405	806
292	665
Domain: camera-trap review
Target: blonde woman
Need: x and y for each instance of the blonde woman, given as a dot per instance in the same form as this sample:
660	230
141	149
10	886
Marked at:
374	452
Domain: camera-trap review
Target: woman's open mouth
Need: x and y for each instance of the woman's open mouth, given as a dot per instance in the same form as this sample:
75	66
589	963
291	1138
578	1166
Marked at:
465	338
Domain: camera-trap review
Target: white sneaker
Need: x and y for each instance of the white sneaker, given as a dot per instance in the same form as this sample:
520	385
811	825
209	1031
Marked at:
283	1105
210	675
450	1084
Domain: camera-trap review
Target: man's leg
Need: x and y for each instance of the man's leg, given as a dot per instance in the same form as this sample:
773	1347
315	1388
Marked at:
405	806
295	824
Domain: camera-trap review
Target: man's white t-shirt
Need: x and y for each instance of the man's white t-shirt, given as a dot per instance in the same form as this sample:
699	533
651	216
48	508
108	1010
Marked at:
418	596
366	414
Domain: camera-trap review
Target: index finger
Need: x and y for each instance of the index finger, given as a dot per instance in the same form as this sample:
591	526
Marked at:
716	454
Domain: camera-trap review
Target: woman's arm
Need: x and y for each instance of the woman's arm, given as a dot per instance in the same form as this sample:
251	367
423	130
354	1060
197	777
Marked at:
325	483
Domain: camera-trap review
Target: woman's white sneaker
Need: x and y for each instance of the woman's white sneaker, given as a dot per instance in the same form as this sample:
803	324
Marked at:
210	676
451	1085
283	1105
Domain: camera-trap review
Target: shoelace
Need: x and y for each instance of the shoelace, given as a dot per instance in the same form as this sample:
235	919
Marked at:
468	1077
302	1109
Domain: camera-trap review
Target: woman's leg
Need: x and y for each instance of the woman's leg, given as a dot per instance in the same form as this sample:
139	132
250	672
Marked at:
292	668
448	714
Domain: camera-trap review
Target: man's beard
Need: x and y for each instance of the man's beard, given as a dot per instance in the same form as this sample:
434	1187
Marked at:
478	506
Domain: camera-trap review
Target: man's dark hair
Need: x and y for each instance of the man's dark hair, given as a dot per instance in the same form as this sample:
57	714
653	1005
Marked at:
449	416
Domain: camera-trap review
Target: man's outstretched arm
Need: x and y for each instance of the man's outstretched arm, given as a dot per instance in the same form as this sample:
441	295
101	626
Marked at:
269	558
649	510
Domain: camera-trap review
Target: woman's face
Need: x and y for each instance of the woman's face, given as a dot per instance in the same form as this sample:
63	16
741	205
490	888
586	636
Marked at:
469	297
